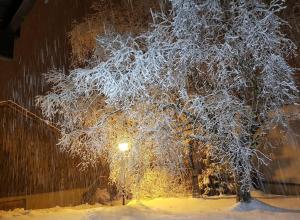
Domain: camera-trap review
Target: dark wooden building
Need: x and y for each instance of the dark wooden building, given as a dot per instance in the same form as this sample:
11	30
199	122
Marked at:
34	173
32	164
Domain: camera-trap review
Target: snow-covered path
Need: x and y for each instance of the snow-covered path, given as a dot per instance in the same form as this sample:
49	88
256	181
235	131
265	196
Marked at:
169	209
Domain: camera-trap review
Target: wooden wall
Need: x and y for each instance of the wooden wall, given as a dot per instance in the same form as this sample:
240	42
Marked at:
30	161
43	44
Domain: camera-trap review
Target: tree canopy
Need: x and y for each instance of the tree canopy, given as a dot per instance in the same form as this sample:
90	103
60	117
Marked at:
208	71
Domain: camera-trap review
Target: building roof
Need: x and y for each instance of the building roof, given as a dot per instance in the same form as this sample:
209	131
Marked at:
12	13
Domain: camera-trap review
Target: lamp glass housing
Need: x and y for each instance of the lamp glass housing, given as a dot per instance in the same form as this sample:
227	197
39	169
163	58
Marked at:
123	147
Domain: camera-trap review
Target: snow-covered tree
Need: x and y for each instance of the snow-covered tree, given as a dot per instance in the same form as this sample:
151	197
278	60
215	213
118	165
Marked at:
209	72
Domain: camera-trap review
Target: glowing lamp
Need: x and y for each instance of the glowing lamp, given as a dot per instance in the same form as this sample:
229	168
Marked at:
123	147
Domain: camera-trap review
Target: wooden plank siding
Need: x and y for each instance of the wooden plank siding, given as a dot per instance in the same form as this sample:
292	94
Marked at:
31	162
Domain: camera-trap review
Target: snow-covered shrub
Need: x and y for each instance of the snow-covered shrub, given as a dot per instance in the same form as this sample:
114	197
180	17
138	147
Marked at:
216	179
158	183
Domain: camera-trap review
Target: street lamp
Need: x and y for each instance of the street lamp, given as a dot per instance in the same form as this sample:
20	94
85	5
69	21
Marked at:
123	147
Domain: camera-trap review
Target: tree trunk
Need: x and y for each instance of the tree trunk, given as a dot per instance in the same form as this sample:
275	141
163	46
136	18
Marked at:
242	195
195	183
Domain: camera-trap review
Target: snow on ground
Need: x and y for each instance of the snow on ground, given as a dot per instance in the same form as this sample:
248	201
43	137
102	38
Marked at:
268	208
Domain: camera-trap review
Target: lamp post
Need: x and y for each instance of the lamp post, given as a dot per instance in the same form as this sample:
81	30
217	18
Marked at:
123	147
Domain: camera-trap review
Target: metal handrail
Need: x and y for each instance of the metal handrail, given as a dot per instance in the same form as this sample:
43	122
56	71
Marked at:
26	113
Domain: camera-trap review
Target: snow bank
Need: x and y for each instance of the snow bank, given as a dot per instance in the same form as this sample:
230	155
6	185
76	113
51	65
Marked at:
256	205
166	209
185	205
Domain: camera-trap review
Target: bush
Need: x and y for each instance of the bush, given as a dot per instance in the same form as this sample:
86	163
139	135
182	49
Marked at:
158	183
215	179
